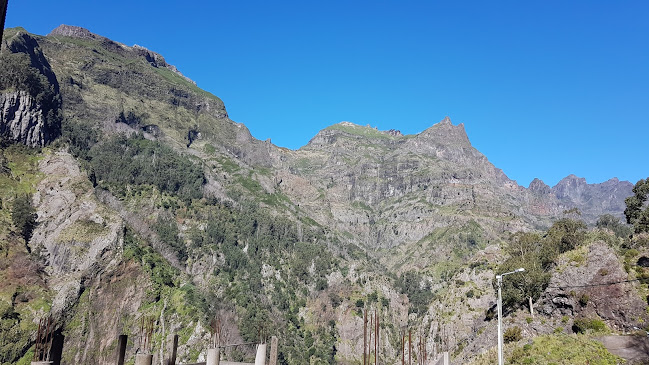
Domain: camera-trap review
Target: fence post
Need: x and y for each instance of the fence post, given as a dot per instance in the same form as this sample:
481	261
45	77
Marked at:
121	349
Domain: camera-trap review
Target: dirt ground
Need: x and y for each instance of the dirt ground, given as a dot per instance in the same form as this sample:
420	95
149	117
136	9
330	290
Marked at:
634	349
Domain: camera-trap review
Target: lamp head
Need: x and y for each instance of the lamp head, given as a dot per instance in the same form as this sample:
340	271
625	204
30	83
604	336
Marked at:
520	270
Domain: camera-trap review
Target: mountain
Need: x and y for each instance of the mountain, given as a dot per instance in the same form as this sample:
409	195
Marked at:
151	204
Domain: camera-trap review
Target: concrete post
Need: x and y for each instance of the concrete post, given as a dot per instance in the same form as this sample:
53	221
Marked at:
273	350
447	359
143	359
260	359
121	349
531	307
213	356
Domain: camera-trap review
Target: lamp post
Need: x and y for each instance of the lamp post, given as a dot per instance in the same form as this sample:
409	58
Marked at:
499	279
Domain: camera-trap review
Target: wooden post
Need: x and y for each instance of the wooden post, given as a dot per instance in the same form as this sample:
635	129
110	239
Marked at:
376	339
409	347
121	349
174	350
531	308
273	350
403	347
364	335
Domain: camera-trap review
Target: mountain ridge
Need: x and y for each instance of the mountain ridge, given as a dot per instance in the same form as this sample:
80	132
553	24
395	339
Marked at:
299	242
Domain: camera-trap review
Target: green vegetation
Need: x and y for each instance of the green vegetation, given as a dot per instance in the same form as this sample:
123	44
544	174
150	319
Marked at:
168	232
637	211
588	325
554	349
537	254
612	223
122	161
563	349
417	289
22	291
23	215
512	334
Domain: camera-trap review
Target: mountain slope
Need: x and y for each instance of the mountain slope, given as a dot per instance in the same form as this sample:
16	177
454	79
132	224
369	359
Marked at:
153	204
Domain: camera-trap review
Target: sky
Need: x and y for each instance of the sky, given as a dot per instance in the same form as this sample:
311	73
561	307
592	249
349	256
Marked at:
544	88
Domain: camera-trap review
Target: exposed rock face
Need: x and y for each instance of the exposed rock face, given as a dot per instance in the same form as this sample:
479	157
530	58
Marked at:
592	283
593	199
538	187
29	110
73	31
22	120
74	231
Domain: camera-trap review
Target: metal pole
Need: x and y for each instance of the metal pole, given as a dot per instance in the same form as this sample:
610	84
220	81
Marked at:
499	278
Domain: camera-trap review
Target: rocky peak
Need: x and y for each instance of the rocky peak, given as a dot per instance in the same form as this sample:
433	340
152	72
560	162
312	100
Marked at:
73	31
593	199
537	186
445	132
570	187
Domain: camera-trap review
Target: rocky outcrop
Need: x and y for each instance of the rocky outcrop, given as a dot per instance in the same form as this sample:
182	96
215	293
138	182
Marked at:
75	233
538	187
591	282
22	120
73	31
30	103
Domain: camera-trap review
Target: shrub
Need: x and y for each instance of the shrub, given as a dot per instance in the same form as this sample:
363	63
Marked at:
583	325
512	334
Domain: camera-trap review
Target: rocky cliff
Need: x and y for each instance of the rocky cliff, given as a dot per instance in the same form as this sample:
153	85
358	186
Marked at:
29	92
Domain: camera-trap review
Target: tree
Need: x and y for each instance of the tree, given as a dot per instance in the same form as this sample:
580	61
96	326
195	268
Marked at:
612	223
23	215
637	211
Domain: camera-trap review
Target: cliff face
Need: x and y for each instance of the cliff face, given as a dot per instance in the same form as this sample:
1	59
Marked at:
29	93
22	120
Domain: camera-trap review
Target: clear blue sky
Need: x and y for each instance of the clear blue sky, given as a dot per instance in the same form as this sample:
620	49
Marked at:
544	88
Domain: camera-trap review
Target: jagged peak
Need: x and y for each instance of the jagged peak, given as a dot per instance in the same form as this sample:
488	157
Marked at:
445	131
572	178
538	186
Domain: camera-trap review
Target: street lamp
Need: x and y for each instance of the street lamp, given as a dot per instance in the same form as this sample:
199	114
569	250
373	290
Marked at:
499	278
